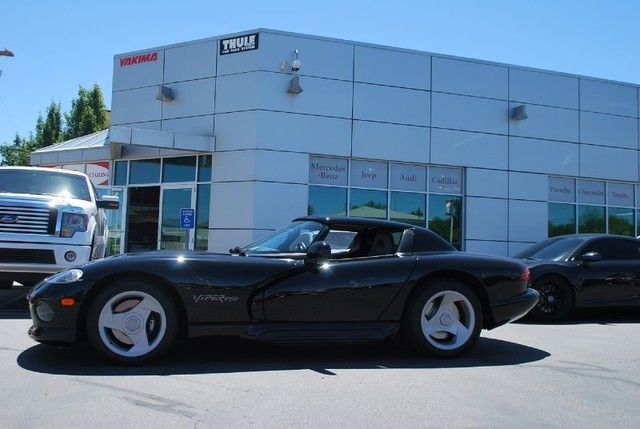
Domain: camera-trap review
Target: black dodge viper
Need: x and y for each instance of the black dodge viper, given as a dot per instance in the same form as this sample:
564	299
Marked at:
317	280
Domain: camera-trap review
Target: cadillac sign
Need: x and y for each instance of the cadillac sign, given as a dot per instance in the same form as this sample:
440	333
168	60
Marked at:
233	45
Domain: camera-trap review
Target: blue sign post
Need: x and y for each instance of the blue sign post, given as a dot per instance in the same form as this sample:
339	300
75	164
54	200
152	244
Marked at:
187	218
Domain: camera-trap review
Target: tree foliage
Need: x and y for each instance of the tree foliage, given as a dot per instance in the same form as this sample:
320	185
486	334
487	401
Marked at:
88	114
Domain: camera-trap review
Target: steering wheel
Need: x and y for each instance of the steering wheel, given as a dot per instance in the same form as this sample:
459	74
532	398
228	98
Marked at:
301	247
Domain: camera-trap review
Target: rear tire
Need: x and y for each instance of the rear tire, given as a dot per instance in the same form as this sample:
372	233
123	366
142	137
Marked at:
444	319
132	322
556	300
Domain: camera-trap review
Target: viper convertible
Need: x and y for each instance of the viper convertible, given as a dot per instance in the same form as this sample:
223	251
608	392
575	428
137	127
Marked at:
316	280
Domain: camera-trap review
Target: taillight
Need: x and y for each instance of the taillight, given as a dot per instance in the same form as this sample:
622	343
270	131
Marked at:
526	275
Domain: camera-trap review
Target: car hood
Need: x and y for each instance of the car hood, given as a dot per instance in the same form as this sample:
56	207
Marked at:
167	263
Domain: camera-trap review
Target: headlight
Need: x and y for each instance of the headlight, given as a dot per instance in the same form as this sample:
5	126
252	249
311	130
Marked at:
72	223
66	276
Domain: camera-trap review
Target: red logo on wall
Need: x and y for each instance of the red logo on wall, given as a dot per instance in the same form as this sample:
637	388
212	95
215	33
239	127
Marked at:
98	172
139	59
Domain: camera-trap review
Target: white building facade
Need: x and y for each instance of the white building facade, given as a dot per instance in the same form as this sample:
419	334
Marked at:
492	157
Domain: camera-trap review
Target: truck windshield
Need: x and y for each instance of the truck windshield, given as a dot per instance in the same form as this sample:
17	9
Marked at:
39	182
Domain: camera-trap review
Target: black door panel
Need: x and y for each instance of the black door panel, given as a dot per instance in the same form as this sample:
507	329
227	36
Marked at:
346	290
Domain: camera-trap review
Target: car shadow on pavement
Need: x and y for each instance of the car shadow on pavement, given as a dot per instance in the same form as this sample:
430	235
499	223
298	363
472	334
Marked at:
601	316
219	356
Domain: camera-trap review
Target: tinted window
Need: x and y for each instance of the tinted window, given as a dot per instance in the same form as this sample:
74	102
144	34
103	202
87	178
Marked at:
621	221
408	207
591	219
121	173
555	249
145	171
562	219
181	169
365	203
326	201
612	249
445	218
294	238
204	168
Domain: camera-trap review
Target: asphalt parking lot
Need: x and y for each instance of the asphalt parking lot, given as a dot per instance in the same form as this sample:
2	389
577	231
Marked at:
582	373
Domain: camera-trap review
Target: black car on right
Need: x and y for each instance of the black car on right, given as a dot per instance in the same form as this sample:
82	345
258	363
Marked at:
581	271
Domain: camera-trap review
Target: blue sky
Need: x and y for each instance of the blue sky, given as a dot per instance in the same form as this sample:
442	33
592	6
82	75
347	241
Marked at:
62	44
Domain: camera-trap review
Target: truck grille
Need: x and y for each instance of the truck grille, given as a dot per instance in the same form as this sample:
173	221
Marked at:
27	256
27	220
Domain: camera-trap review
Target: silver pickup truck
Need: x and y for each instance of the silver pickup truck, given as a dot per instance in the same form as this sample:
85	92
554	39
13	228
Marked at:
50	220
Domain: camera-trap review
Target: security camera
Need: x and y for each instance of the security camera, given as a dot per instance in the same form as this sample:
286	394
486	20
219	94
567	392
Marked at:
295	65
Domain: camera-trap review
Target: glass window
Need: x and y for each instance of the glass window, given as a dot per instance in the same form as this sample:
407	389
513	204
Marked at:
408	207
562	190
620	194
445	180
620	221
554	249
204	168
445	218
612	249
562	219
369	174
408	177
121	173
202	220
294	238
49	182
145	171
181	169
328	171
591	219
591	192
340	241
366	203
327	201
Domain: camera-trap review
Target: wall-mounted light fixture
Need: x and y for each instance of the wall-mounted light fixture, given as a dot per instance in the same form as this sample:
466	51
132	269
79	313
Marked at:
165	94
519	113
294	85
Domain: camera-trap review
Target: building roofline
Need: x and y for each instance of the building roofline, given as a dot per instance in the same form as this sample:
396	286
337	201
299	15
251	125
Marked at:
384	47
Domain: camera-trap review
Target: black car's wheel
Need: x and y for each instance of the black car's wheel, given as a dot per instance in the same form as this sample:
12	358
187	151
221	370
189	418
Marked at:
556	300
444	320
132	322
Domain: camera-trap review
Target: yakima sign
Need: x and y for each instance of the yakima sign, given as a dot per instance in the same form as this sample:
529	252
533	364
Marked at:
98	172
139	59
234	45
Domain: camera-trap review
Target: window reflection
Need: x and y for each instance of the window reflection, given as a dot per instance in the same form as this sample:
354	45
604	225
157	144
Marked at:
366	203
621	221
204	168
327	201
182	169
562	219
445	218
202	217
145	171
408	207
591	219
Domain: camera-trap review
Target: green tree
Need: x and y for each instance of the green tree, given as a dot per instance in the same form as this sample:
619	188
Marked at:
88	113
18	153
49	130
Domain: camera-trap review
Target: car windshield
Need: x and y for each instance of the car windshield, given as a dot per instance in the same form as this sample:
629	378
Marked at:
47	182
294	238
554	249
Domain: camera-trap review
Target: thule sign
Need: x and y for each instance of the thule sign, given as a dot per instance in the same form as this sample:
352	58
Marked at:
234	45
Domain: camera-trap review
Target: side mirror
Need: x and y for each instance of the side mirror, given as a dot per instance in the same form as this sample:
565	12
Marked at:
317	254
109	202
591	257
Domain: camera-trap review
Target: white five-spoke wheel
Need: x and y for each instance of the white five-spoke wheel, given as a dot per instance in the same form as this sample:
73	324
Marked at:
131	322
445	319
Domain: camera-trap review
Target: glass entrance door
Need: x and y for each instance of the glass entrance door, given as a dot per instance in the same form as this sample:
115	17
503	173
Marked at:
171	236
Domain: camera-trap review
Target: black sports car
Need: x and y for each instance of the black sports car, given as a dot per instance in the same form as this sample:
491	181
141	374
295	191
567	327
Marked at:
583	270
318	279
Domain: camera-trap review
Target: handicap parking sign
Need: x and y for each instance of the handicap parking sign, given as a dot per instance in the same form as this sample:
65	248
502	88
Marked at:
187	218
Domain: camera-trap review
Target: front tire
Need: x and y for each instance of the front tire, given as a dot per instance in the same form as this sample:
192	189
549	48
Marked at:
444	320
556	300
132	322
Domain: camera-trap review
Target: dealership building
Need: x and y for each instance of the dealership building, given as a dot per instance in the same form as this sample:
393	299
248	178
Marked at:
253	129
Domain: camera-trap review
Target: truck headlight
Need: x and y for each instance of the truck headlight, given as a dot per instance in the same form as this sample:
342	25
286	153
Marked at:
68	276
72	223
